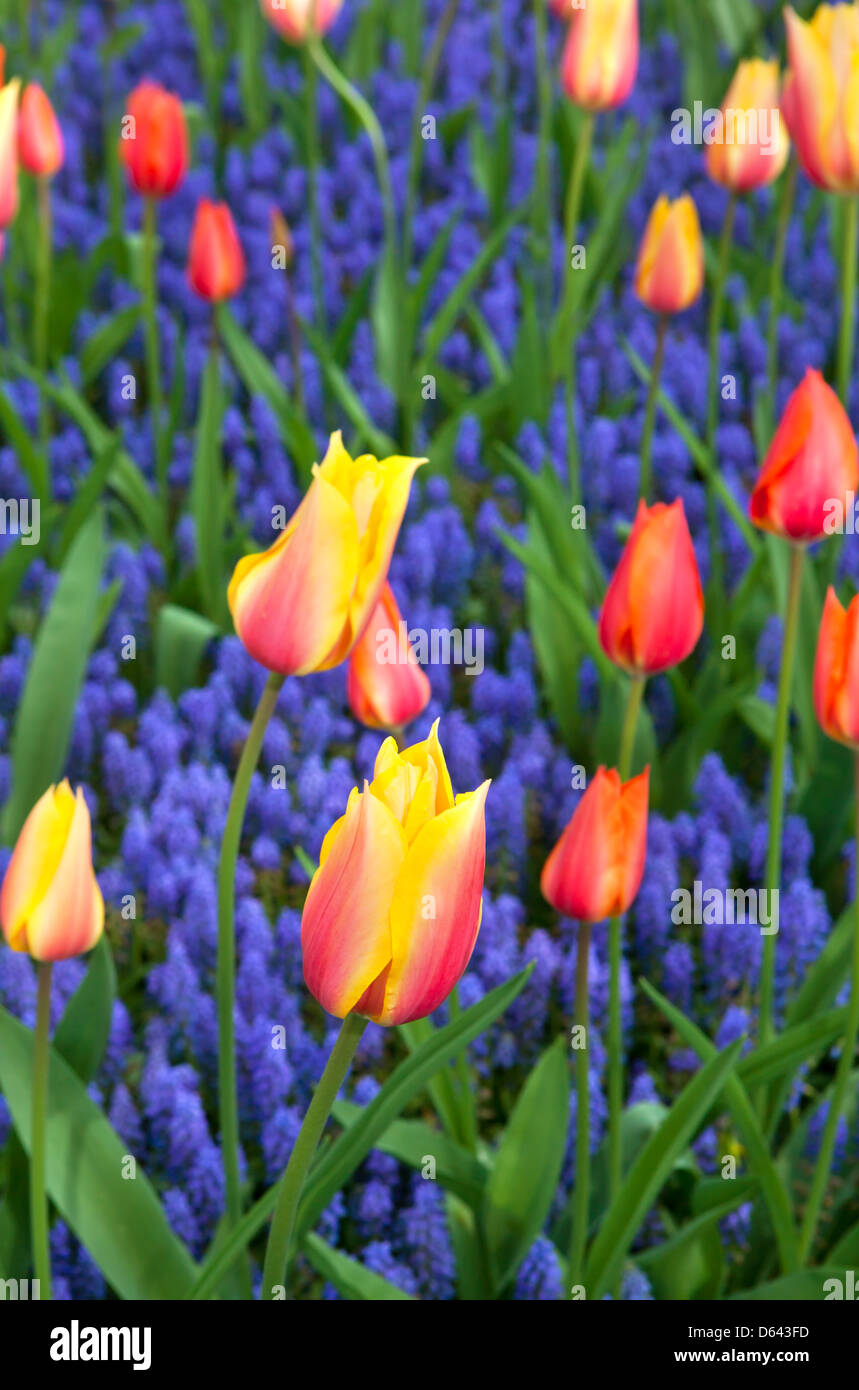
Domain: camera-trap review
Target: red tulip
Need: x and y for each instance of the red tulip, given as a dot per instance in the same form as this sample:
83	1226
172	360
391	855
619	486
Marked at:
9	152
385	686
595	869
836	671
154	143
216	263
653	611
811	466
40	140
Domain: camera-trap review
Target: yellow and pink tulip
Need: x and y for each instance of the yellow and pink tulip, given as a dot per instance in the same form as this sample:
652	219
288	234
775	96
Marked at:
820	97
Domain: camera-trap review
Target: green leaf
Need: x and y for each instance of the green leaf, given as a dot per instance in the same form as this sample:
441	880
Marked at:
649	1171
207	494
181	638
690	1264
260	379
108	339
805	1286
524	1177
413	1141
120	1222
43	725
334	1167
83	1031
25	451
349	400
349	1276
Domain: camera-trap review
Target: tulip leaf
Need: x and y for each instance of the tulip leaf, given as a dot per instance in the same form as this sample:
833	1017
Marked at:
690	1264
524	1178
334	1167
83	1031
118	1219
261	379
349	1276
413	1141
46	712
804	1286
181	638
107	341
207	494
650	1169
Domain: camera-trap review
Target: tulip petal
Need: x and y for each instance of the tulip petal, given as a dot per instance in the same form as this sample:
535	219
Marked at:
69	919
345	926
34	862
435	914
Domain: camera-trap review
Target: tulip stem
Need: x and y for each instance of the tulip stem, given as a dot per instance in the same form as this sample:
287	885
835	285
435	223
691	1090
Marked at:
311	93
467	1115
847	333
776	806
153	357
278	1251
785	209
581	1207
615	952
38	1198
572	212
429	70
842	1072
40	317
717	305
644	485
226	965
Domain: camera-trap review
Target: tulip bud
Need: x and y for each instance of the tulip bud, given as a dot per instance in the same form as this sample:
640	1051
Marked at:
595	869
216	263
653	611
9	152
821	93
302	605
601	54
811	466
393	911
385	686
281	238
753	144
836	671
295	20
51	904
154	143
40	140
669	275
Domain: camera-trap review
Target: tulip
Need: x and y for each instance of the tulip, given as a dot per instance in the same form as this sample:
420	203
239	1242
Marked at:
216	263
154	144
669	274
595	869
653	610
820	94
750	109
40	139
303	604
811	466
51	904
836	671
385	686
393	911
294	20
9	152
600	58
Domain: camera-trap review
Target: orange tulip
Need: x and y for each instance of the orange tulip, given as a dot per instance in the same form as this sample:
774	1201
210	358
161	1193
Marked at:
601	53
393	911
303	604
216	262
385	686
669	274
296	19
753	146
154	143
51	904
836	671
811	466
9	152
595	869
820	98
40	140
653	611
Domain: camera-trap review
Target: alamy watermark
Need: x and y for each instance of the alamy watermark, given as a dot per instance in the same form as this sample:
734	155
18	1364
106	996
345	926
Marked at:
757	907
734	126
438	646
21	516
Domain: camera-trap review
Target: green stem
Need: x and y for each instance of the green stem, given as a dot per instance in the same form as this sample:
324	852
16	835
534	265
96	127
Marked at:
316	241
726	242
153	356
572	212
38	1196
40	319
542	194
429	70
278	1249
615	952
785	209
842	1074
226	966
581	1201
776	806
847	334
463	1071
645	482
